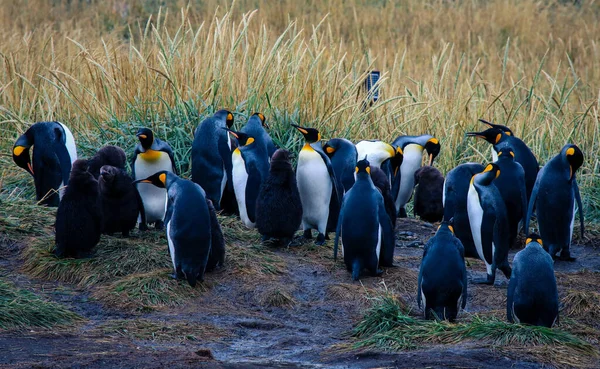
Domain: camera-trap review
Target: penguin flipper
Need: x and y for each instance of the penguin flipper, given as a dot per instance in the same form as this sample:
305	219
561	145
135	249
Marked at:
252	190
64	160
579	206
225	153
338	232
141	209
335	185
488	237
509	299
136	152
386	257
532	199
523	190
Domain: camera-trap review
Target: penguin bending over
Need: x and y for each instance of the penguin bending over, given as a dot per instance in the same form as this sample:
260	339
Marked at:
79	214
320	192
532	296
555	197
121	202
412	148
429	187
442	286
511	184
257	127
53	154
250	168
211	156
364	226
188	225
343	156
151	156
377	151
489	225
113	156
278	206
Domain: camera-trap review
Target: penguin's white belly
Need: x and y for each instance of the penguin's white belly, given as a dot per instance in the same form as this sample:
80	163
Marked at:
240	179
154	198
314	185
378	249
494	155
171	247
475	212
70	143
444	194
413	156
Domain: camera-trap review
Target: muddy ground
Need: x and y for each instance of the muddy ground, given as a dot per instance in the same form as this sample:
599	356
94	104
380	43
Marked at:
290	321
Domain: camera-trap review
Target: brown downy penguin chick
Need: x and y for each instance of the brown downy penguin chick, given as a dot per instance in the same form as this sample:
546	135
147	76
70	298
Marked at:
121	202
278	207
108	155
216	258
429	186
79	214
382	183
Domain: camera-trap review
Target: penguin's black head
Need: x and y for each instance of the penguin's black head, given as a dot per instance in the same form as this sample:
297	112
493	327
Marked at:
242	138
310	134
491	135
504	129
262	118
533	238
146	137
397	160
506	153
491	172
20	153
433	149
363	167
227	115
159	179
574	157
447	226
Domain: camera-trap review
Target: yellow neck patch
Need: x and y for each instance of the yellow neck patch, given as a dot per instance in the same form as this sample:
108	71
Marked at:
570	151
249	141
330	150
18	150
163	178
488	168
307	147
229	116
498	137
434	141
151	155
451	229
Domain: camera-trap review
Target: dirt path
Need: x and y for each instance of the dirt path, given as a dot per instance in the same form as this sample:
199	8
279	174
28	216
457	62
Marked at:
289	322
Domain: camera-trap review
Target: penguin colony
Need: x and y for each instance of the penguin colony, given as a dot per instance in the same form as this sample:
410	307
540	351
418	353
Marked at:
355	190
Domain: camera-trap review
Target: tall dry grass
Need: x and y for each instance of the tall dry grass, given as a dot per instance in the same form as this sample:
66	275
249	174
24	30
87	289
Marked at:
106	67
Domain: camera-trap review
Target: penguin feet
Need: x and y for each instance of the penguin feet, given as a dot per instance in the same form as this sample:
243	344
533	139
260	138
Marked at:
125	234
143	227
378	273
320	239
565	256
159	225
489	280
402	213
308	234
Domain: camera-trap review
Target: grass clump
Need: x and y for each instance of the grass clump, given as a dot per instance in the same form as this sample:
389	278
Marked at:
20	218
277	297
21	309
150	330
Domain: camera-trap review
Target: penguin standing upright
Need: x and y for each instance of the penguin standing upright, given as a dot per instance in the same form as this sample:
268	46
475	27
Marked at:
320	192
216	257
428	200
532	296
113	156
250	168
555	196
151	156
343	156
53	154
256	127
211	156
364	226
278	207
188	225
500	136
79	214
454	198
511	184
442	285
412	148
489	224
382	183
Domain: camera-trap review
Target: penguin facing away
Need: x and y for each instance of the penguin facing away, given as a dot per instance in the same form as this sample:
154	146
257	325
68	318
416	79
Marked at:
278	206
110	155
257	127
188	225
532	296
319	190
454	198
151	156
364	226
428	201
53	154
211	156
250	168
121	202
489	224
343	156
511	184
79	214
442	286
382	183
555	198
412	148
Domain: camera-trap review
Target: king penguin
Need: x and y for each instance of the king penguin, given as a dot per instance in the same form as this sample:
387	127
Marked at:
412	148
511	184
532	296
364	227
211	156
188	225
320	192
257	127
555	197
343	156
377	151
500	136
250	168
151	156
53	154
454	198
442	286
489	225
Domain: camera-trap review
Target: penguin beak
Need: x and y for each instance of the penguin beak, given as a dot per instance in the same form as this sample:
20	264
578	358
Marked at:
430	159
142	181
143	137
30	168
304	131
486	123
475	134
